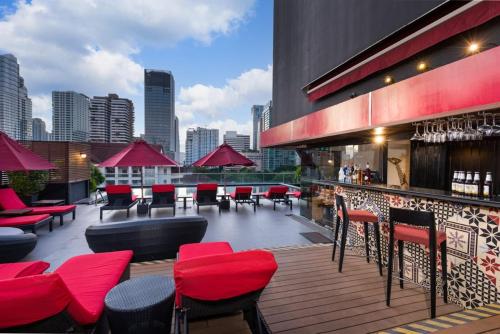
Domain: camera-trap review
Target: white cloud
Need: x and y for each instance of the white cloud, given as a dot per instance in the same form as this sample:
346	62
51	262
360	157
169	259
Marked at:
251	87
89	45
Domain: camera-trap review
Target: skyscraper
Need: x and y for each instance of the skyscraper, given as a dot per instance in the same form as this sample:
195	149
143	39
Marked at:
70	116
237	141
256	115
40	130
159	109
111	119
15	105
200	142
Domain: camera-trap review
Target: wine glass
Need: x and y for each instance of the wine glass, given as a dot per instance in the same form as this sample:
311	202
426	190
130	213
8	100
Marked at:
417	136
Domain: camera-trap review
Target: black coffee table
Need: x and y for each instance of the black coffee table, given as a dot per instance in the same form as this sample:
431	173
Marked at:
141	305
48	202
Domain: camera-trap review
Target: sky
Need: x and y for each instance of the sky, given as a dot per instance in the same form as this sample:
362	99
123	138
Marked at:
219	51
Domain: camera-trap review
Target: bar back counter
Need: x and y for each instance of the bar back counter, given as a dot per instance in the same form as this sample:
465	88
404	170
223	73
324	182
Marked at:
415	175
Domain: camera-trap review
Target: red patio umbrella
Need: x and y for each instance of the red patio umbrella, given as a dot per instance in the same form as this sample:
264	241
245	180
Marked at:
224	156
16	157
139	154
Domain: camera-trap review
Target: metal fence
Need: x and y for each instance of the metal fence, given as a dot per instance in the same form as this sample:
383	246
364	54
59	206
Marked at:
234	178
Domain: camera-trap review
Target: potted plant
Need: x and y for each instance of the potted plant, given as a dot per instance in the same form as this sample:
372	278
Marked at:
28	184
96	178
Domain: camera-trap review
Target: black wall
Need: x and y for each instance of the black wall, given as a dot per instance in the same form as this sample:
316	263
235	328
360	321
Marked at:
313	36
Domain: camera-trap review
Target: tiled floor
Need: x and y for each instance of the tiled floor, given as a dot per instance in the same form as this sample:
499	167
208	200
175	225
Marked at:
243	229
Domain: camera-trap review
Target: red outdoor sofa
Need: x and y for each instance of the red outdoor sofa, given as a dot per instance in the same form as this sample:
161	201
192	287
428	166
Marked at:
27	222
163	197
242	195
120	197
206	195
277	194
211	279
69	299
10	201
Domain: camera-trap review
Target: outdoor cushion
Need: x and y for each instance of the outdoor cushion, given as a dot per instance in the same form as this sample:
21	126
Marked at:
51	209
241	191
276	191
417	235
297	194
89	278
163	188
21	269
190	251
223	276
360	216
134	197
22	220
9	200
207	186
119	189
25	300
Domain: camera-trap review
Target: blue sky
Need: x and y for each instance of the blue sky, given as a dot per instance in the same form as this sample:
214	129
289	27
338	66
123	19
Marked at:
220	52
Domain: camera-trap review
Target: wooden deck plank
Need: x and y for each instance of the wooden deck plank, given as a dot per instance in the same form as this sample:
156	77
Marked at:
487	325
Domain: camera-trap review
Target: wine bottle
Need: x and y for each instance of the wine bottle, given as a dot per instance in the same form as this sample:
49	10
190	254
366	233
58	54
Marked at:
488	185
461	183
454	182
468	184
475	185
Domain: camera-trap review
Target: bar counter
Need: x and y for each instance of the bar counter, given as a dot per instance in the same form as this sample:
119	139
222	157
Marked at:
472	227
418	192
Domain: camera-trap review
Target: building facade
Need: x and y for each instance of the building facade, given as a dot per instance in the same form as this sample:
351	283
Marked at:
111	119
200	142
15	105
177	140
256	112
70	116
40	130
256	157
237	141
159	109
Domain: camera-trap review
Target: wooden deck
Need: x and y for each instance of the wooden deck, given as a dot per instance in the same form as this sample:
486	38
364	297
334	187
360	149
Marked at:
308	295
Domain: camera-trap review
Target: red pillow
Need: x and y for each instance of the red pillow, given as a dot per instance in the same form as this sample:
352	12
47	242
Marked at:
20	269
9	200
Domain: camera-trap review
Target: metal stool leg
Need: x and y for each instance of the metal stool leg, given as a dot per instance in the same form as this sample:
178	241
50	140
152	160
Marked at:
389	265
433	277
379	248
367	243
337	227
444	271
345	228
401	264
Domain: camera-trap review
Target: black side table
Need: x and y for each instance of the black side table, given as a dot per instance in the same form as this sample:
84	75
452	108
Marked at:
141	305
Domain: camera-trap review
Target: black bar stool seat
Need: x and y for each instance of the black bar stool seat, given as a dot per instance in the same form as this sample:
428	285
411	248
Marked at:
345	216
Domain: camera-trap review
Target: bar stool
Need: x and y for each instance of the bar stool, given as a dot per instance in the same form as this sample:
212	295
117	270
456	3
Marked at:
422	232
363	216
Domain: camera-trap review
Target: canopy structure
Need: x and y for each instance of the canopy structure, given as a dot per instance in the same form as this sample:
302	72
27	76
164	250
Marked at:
139	154
223	156
16	157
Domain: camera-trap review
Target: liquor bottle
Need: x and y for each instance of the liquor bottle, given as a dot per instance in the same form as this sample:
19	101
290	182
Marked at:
475	185
461	183
454	182
468	184
488	185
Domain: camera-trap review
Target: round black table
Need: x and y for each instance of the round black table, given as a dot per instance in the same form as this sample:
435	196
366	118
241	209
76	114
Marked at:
141	305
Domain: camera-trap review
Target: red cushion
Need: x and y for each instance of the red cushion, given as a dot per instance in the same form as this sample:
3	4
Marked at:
118	189
28	299
163	188
297	194
233	195
207	186
223	276
89	278
22	220
360	216
244	190
276	191
9	200
416	235
20	269
37	210
191	251
134	198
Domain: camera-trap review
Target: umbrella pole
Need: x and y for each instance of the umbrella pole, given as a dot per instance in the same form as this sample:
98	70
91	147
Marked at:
142	186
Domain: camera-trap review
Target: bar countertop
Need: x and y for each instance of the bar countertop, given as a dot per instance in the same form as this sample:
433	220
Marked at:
417	192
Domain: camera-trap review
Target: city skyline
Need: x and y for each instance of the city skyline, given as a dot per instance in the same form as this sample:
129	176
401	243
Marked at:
221	69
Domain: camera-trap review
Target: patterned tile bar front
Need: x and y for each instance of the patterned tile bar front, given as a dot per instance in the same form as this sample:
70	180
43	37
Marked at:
473	239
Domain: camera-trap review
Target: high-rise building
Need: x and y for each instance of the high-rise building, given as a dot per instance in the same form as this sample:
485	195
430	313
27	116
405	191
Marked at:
111	119
40	130
177	140
256	115
200	142
70	116
237	141
15	105
159	109
274	158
